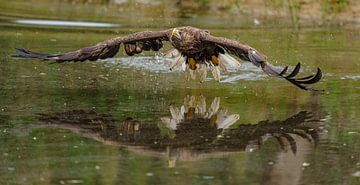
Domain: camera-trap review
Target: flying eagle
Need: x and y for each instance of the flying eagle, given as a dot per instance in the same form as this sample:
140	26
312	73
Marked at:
195	49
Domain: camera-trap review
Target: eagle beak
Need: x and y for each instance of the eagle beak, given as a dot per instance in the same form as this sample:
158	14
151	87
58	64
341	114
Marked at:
175	33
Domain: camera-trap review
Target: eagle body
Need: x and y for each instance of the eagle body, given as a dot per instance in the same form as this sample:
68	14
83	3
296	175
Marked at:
196	50
190	42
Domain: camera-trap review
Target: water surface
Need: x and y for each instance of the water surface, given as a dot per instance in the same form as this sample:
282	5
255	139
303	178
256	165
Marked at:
112	121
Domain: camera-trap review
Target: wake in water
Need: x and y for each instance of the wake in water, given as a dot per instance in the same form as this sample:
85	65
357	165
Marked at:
161	64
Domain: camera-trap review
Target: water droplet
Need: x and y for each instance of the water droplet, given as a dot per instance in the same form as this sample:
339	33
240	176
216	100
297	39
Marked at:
356	174
149	174
74	181
42	74
256	22
207	177
11	168
305	164
97	167
34	138
271	163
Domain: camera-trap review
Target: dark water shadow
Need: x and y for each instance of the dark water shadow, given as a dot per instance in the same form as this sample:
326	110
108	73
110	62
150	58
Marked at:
192	132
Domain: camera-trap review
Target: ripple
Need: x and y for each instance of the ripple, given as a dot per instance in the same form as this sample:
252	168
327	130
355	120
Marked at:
354	77
63	23
150	63
244	76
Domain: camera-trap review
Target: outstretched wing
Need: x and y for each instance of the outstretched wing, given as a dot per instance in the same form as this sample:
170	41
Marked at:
250	54
134	43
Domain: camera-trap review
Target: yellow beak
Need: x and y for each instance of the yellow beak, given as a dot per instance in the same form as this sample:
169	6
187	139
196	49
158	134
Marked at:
175	33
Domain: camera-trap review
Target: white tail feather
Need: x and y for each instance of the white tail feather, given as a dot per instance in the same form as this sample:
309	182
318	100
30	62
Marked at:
192	74
187	72
202	105
216	72
202	72
175	113
183	66
214	107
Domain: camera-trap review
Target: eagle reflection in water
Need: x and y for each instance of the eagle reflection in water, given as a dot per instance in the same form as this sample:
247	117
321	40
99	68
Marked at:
192	133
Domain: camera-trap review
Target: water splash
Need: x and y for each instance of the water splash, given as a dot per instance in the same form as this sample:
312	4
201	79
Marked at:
160	64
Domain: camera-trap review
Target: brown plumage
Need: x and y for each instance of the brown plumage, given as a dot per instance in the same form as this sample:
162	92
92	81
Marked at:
197	48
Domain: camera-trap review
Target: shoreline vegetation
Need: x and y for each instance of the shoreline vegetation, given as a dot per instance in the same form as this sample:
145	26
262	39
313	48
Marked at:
298	12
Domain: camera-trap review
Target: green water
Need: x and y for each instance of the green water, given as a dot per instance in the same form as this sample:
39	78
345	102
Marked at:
53	129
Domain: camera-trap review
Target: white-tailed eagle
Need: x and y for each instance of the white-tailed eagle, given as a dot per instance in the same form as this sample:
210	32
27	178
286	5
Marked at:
194	48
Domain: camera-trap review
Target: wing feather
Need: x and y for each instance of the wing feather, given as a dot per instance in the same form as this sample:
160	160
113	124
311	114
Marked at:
250	54
134	43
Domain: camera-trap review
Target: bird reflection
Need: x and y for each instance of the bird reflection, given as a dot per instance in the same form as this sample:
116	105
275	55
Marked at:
194	111
192	132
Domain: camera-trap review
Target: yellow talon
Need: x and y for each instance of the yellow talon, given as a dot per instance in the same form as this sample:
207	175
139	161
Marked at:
192	63
215	60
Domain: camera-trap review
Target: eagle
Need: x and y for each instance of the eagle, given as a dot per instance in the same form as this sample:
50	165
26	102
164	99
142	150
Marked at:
196	50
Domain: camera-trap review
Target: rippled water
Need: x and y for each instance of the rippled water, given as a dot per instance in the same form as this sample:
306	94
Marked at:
129	120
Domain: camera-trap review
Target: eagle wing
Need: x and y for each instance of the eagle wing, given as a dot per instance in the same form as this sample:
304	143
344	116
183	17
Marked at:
134	43
250	54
